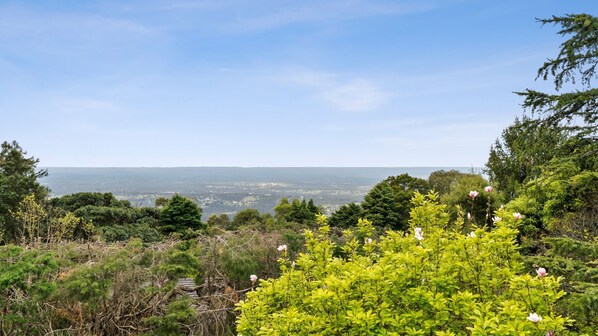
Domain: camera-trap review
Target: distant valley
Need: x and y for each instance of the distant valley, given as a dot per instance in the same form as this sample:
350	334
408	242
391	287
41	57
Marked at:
229	189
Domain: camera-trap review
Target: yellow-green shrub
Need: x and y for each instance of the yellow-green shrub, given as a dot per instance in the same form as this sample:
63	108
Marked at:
448	283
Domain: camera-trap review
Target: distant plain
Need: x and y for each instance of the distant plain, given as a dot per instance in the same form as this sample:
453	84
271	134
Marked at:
230	189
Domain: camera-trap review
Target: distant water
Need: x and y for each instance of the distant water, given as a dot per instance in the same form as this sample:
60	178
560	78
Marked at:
229	189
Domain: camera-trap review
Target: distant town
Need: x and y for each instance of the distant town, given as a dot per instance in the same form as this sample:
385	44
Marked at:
229	190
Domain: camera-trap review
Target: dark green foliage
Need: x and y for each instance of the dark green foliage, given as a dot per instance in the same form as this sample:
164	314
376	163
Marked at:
239	265
181	262
18	178
301	213
178	313
481	207
346	216
574	114
383	208
116	219
219	221
160	202
409	184
244	254
282	209
146	214
521	152
79	200
312	207
576	64
444	182
102	208
562	201
547	162
298	211
180	214
572	206
574	249
294	240
142	231
106	216
245	217
389	202
575	261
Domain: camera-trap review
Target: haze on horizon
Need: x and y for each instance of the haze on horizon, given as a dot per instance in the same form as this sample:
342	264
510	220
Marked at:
158	83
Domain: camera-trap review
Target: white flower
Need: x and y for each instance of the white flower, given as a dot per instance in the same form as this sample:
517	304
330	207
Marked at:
469	216
541	272
496	219
517	216
488	189
535	318
472	234
368	241
253	278
282	248
419	234
473	194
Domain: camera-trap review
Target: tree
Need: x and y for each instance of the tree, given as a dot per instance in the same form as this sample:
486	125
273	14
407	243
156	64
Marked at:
388	203
562	126
443	182
245	217
78	200
282	209
18	178
407	183
549	164
312	207
521	152
220	221
297	211
161	202
574	261
69	227
30	217
346	216
575	63
180	214
382	207
106	216
300	212
555	148
480	207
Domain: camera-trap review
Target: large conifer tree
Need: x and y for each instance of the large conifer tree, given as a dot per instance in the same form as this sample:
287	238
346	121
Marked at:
18	178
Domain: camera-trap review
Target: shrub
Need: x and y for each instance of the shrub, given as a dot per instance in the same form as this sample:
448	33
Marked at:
438	281
180	214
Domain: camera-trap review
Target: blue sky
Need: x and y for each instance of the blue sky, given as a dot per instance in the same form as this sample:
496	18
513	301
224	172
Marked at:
268	83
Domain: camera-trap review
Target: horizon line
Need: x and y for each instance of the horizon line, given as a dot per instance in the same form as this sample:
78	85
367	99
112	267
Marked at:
251	167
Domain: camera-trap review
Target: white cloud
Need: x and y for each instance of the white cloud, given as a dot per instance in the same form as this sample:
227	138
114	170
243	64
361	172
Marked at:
350	95
357	95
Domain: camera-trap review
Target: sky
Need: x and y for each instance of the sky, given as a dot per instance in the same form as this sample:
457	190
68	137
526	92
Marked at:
269	83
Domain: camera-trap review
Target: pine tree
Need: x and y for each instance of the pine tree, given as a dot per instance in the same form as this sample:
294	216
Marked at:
18	178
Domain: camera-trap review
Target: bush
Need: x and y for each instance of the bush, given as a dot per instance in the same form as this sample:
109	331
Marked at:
124	232
443	283
180	214
25	282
